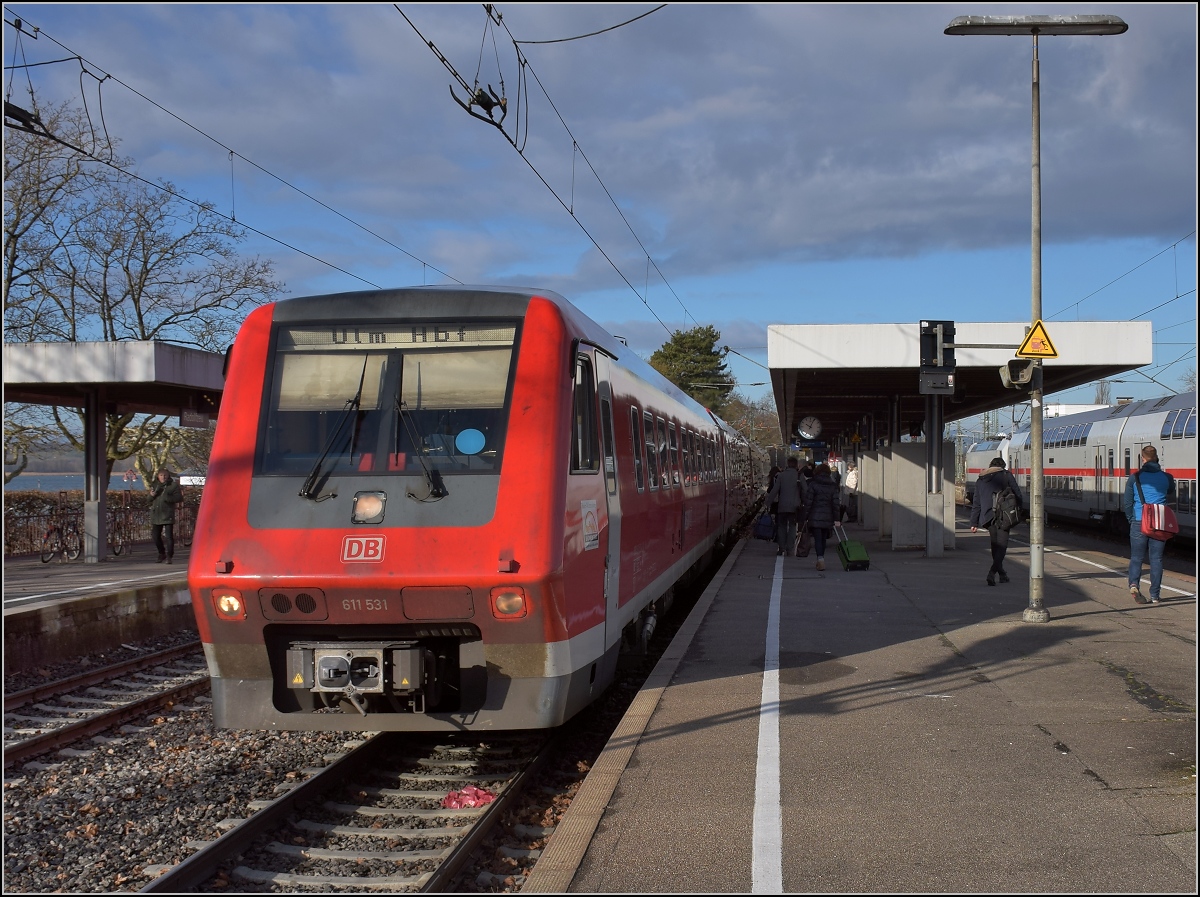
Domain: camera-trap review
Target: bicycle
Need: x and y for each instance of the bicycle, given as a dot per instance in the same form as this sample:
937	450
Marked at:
120	532
62	538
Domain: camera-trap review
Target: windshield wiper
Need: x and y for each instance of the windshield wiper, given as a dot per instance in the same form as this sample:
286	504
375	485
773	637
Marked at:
352	404
433	476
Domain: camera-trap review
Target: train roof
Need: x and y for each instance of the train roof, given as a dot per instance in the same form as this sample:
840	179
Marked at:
1130	409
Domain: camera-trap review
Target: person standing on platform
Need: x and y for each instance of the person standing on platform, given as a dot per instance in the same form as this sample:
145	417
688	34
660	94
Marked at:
1158	487
166	494
787	496
851	491
773	508
822	507
991	482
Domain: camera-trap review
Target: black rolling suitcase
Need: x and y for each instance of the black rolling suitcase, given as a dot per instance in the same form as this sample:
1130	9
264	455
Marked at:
851	552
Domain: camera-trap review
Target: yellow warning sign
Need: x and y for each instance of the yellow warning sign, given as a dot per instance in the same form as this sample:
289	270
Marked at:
297	679
1037	343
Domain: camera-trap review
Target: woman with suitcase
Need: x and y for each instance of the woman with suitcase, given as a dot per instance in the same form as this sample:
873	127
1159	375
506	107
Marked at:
823	508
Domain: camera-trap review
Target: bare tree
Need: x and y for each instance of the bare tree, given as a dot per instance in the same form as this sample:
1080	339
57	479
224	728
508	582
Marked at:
1189	379
1103	392
92	252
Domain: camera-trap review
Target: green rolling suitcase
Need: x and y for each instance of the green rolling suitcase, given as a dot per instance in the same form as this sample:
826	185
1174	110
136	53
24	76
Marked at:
851	552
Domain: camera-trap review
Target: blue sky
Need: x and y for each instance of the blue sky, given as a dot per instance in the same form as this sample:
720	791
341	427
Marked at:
735	165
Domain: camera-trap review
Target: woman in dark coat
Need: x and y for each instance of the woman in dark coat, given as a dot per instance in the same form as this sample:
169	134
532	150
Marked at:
166	495
990	482
822	507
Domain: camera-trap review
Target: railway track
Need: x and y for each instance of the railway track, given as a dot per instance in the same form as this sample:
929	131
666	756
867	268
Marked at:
52	716
374	819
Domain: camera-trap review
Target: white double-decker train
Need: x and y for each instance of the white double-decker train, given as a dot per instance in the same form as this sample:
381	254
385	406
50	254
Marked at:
1087	457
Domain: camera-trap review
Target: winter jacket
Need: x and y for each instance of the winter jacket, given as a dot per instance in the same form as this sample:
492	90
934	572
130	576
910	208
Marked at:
852	480
788	491
991	481
162	505
1158	486
823	506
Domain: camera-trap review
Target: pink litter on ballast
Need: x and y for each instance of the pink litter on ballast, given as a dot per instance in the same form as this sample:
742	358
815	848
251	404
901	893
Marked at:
470	796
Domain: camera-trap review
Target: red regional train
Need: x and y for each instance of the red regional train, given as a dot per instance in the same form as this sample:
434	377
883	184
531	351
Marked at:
446	509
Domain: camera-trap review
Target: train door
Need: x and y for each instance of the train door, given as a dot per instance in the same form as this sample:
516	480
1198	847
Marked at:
608	451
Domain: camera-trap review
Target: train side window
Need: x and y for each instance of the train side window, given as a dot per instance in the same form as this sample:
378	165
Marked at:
1111	464
1087	431
675	478
610	452
635	443
1168	424
1127	460
664	464
687	455
585	446
651	452
1180	423
1189	429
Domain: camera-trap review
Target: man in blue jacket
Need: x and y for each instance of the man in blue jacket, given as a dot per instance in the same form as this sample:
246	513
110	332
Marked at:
1158	487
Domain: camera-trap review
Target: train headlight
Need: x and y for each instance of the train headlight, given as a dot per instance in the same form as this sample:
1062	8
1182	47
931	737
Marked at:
368	507
229	604
509	603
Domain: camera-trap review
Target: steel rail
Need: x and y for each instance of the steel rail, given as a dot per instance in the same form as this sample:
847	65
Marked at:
27	696
39	744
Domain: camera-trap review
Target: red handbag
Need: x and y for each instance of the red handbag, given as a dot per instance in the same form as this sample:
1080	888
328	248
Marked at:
1158	521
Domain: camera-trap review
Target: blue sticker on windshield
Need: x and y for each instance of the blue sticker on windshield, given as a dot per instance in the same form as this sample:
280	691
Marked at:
469	441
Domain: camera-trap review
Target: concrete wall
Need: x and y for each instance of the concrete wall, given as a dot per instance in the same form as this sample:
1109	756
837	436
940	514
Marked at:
47	633
893	498
908	493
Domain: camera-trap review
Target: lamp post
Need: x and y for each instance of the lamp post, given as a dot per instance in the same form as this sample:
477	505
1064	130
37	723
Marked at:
1035	26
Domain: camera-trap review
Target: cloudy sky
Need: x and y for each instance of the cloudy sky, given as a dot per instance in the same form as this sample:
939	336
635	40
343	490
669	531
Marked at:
732	165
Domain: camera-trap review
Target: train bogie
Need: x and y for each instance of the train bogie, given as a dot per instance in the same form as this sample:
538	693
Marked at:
443	509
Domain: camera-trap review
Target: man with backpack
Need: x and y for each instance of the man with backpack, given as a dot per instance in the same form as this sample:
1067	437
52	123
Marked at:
997	506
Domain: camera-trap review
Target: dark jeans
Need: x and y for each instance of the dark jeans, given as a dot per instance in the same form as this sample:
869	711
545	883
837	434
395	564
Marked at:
164	539
820	534
1139	544
999	548
785	531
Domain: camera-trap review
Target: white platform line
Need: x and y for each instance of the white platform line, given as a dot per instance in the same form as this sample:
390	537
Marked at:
767	872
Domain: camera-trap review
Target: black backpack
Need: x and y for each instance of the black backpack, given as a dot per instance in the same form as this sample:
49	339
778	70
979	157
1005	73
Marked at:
1006	508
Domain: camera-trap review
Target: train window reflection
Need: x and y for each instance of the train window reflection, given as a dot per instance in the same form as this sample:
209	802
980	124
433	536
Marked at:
373	399
1167	424
1189	429
1180	422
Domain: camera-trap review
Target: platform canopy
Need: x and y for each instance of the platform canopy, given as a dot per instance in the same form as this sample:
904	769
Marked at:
147	377
139	376
850	375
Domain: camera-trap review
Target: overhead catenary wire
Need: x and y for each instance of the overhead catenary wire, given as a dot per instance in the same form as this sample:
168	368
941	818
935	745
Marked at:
567	204
232	154
563	40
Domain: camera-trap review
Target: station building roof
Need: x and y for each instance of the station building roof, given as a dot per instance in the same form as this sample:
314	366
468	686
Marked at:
841	373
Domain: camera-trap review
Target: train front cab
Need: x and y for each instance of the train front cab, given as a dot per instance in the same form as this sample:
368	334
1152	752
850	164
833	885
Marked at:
316	613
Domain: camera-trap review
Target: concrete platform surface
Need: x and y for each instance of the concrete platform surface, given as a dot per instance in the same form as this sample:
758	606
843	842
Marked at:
903	729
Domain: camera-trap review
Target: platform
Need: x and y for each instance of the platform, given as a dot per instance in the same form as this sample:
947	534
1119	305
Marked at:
58	610
901	729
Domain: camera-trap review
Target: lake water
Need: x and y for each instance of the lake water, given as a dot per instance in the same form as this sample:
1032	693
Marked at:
50	482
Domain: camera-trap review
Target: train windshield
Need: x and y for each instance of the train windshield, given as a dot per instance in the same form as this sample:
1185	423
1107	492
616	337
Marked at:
380	399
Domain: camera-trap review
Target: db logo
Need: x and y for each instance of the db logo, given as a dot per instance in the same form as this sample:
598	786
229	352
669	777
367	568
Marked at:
362	548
